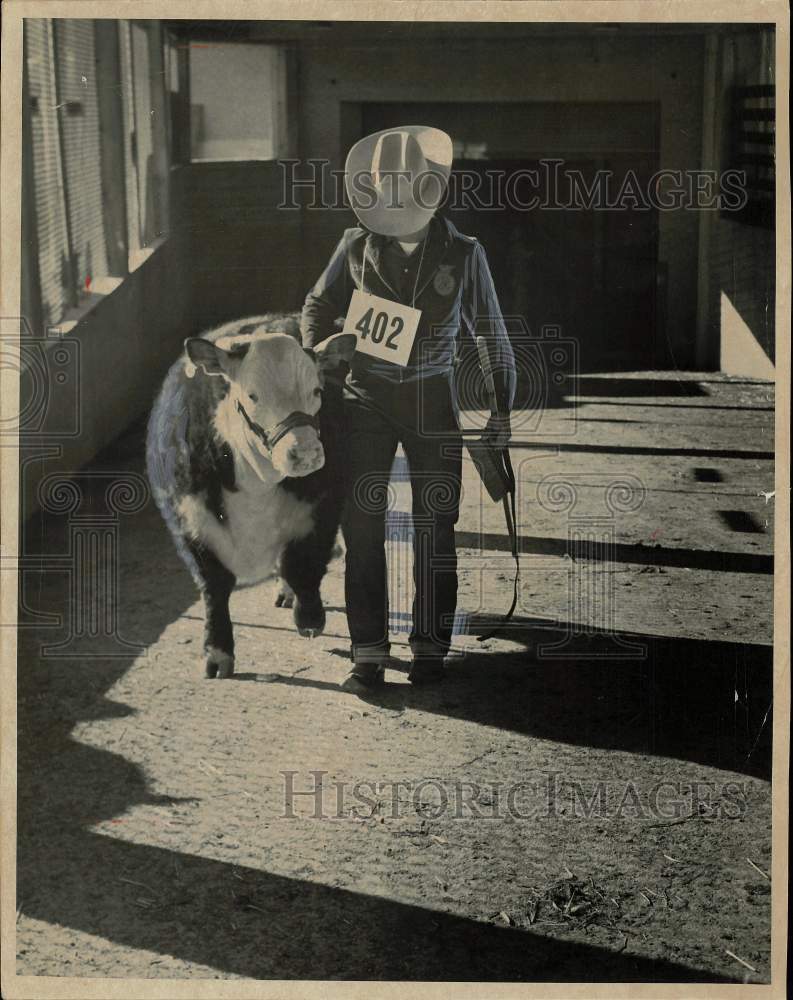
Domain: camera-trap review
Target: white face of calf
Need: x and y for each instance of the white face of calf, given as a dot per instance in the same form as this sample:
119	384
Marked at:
275	379
271	379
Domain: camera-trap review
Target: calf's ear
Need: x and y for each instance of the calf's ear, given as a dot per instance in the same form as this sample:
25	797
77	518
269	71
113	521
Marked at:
213	359
331	352
203	353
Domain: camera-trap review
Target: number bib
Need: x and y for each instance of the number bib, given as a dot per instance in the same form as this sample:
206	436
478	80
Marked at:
385	329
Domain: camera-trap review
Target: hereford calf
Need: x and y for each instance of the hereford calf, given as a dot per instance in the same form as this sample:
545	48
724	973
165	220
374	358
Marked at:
243	456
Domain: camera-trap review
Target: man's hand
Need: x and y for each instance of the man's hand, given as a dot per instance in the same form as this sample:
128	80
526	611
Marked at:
498	430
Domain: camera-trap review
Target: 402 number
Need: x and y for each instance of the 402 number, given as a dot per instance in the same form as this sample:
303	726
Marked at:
376	329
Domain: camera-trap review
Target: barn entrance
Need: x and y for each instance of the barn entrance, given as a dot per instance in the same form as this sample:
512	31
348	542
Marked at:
592	271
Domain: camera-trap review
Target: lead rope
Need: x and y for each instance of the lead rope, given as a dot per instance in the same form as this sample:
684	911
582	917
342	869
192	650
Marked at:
510	517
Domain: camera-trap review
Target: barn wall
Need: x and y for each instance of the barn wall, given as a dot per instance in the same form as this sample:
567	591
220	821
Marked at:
244	254
668	70
739	268
127	341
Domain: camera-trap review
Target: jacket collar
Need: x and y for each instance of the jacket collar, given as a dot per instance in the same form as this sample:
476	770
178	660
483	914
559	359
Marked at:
439	238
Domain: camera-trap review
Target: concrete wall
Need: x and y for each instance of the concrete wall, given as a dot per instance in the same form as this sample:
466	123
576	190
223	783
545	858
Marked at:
668	70
127	341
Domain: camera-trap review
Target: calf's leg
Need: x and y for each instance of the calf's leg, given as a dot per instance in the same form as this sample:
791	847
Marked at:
216	584
305	562
303	565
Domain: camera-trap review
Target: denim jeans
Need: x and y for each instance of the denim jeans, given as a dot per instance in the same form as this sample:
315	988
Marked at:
434	456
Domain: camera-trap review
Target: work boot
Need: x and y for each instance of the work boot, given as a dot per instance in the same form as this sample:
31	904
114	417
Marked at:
426	670
368	669
365	675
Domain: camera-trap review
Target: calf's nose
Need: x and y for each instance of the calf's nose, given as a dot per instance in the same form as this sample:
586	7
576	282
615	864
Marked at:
299	453
302	461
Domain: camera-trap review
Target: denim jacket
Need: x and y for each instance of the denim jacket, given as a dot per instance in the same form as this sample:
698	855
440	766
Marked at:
454	292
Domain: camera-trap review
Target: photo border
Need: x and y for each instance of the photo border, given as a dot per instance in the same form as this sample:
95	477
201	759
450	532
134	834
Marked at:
558	11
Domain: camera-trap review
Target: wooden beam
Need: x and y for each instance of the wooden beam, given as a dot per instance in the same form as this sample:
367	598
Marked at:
111	144
706	349
160	166
32	309
72	294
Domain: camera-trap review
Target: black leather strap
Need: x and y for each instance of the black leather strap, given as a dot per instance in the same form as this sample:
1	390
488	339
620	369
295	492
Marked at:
509	516
295	419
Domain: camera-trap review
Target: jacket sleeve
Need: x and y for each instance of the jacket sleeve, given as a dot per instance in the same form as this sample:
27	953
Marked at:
328	300
481	314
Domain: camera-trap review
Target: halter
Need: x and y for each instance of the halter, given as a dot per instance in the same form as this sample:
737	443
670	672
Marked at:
295	419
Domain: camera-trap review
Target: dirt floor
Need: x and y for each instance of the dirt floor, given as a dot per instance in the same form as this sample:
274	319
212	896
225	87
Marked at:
587	796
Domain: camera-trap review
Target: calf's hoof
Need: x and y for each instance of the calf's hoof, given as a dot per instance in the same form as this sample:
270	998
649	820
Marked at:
285	597
219	664
309	616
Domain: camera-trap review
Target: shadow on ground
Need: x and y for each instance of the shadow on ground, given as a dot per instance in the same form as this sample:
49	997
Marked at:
700	701
240	921
636	552
247	922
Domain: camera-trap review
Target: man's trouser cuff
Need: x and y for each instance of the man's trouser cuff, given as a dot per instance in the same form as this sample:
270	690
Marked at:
377	654
426	649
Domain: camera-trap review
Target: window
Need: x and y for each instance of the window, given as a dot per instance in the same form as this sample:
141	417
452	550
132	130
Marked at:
79	127
752	150
97	155
67	167
749	131
56	288
223	125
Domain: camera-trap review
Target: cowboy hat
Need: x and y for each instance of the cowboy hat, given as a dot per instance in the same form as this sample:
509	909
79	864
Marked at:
396	179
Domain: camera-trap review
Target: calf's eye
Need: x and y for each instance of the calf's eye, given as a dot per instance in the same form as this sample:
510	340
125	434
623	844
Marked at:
253	397
318	391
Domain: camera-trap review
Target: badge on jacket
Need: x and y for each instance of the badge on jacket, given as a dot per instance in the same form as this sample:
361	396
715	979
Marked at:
444	283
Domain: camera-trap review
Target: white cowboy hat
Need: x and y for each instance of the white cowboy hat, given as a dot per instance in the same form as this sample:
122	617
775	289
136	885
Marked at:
396	179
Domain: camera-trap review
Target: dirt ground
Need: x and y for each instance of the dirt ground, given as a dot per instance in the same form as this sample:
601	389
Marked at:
586	797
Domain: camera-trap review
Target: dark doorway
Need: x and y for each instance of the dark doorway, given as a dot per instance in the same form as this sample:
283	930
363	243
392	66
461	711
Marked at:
589	270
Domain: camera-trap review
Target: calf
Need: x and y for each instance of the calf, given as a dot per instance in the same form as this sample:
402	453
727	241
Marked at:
243	456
